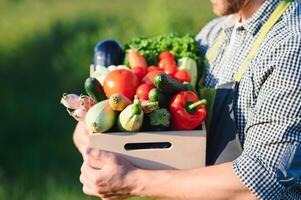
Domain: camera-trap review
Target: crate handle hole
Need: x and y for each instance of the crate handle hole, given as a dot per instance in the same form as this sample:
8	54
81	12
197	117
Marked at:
147	145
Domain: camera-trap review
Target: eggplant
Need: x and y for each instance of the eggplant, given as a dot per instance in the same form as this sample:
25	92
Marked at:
108	52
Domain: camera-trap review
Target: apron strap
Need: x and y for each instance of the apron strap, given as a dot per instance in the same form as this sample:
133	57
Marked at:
284	4
214	49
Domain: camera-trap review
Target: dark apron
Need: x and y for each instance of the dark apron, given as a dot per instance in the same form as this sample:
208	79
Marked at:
223	143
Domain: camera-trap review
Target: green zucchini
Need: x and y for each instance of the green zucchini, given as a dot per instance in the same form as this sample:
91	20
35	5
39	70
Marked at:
156	96
168	85
94	89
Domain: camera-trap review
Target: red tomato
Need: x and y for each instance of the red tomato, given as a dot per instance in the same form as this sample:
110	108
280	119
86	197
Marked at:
171	70
166	62
166	54
121	81
149	77
143	90
139	72
152	68
183	76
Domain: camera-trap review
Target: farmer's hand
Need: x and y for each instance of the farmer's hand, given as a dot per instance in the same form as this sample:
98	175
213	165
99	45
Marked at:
81	138
106	175
81	133
110	177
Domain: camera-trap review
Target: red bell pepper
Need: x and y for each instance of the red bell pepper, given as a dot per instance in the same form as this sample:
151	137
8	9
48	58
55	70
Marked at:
187	111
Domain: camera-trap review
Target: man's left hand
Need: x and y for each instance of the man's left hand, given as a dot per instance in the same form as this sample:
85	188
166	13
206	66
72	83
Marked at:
106	175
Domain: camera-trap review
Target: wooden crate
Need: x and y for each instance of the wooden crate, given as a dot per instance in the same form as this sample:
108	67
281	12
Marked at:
156	150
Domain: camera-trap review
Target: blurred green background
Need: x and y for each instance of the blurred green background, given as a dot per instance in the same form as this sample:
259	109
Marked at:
45	50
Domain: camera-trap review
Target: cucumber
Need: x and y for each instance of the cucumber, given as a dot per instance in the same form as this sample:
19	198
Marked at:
168	85
155	95
94	89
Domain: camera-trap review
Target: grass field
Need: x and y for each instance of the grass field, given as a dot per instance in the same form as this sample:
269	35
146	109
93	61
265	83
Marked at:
45	50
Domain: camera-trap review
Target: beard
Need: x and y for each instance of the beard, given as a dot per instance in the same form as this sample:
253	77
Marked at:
227	7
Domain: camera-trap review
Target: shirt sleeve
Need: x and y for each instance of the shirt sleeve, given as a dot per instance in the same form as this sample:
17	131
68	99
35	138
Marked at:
208	34
270	165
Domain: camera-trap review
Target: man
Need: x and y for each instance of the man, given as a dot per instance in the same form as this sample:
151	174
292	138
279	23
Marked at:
267	111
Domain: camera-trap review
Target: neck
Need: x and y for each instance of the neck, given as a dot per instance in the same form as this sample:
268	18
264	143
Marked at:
248	10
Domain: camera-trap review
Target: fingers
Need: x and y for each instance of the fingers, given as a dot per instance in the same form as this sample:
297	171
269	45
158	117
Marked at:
88	188
92	177
91	186
94	158
96	188
99	154
98	158
89	191
88	172
80	137
114	196
91	170
98	175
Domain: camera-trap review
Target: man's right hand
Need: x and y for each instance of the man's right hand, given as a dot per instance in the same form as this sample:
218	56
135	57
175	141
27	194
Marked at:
81	138
81	133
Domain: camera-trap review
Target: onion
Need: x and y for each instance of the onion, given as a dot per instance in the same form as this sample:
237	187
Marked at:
71	101
78	114
86	103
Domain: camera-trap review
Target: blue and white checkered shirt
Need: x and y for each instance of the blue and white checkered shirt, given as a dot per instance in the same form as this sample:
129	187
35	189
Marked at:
268	108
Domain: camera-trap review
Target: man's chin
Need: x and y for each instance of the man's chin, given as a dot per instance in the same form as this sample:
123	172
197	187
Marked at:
223	11
220	12
223	8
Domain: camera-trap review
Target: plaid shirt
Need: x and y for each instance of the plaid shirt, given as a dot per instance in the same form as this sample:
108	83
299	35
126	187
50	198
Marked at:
268	108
